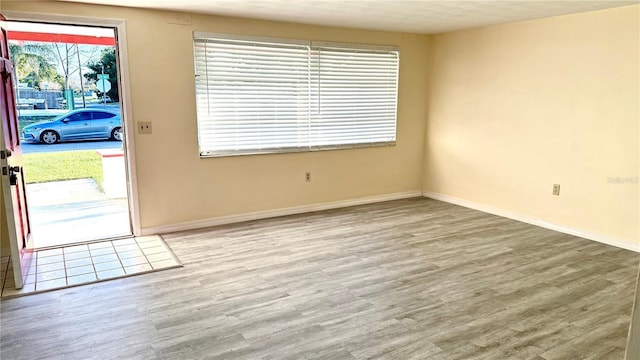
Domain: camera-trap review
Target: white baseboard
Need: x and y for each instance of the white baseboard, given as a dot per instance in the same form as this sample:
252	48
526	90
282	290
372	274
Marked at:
230	219
624	244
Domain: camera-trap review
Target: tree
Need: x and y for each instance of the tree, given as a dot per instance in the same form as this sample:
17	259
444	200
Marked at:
32	67
66	54
107	63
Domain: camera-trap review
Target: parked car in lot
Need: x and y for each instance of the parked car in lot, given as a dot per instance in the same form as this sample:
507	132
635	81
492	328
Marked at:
84	124
105	98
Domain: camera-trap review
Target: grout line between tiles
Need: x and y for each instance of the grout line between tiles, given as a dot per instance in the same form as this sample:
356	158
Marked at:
176	264
143	254
64	264
119	259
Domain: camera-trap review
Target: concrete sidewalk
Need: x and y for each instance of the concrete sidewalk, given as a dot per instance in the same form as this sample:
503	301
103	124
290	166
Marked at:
63	192
65	212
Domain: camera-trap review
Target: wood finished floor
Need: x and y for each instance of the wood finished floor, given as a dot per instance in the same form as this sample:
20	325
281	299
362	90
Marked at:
405	279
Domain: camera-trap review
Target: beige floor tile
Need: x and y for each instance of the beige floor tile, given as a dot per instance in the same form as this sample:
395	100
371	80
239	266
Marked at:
49	260
81	279
137	268
78	262
50	267
32	271
110	273
74	249
142	239
77	255
51	284
130	254
159	257
150	244
138	260
154	250
122	242
47	253
80	270
130	247
104	258
50	275
100	245
81	264
102	251
30	279
107	266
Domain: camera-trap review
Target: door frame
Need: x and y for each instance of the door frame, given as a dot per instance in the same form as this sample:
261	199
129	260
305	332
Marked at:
14	196
125	91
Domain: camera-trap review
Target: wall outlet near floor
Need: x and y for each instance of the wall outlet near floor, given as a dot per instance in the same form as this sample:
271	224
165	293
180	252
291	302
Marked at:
556	189
307	176
144	127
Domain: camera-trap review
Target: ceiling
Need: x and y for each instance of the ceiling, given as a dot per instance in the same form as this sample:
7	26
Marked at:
416	16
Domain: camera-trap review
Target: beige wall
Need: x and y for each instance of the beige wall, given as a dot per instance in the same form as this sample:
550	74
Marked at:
513	109
175	185
516	108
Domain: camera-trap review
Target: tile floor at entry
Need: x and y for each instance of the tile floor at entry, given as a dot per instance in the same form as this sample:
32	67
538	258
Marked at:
87	263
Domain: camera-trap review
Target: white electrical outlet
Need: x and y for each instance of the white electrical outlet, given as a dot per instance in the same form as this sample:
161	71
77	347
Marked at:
307	176
556	189
144	127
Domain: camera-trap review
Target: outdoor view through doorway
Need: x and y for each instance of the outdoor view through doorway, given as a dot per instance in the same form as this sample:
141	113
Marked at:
71	129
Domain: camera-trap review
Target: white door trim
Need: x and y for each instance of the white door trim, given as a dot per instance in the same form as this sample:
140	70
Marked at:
125	90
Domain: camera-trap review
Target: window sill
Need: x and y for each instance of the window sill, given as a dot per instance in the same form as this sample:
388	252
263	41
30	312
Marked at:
204	155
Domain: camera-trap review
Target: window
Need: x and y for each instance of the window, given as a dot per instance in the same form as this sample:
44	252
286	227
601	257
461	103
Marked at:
264	95
80	116
102	115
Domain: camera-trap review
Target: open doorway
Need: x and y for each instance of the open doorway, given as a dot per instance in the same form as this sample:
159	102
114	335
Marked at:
71	127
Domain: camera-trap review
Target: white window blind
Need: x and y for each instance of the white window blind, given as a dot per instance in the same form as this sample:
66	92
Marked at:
263	96
353	96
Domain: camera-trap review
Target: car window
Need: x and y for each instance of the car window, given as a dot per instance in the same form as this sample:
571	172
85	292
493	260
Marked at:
102	115
81	116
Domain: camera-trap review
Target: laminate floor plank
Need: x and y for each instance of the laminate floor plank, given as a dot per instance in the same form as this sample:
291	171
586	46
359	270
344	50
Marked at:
406	279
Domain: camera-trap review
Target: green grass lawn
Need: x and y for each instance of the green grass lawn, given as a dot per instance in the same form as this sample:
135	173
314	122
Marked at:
66	165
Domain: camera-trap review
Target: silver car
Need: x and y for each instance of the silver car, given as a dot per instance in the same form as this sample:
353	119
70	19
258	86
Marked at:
85	124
